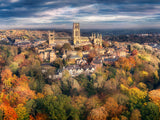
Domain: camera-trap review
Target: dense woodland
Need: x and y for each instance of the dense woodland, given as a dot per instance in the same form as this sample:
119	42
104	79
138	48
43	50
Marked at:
135	38
127	90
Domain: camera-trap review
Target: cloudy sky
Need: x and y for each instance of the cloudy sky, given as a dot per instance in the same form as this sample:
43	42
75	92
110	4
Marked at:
101	14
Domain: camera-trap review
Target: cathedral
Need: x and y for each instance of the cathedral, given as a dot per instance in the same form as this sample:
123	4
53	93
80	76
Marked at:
76	39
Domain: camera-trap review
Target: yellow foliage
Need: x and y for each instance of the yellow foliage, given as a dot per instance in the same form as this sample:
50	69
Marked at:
136	94
21	112
115	118
39	95
156	74
129	81
144	73
145	57
123	88
142	86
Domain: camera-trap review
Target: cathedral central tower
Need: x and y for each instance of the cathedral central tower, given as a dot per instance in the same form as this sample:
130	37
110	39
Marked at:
76	34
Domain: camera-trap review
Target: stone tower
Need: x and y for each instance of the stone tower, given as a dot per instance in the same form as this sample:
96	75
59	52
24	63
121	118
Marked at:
51	38
97	39
76	34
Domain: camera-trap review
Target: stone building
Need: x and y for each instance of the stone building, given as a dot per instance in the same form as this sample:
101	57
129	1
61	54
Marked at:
47	55
51	38
76	39
76	34
52	56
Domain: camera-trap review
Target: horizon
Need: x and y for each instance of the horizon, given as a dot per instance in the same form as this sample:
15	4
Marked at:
91	14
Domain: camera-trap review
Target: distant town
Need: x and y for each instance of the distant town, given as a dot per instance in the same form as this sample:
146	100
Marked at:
81	54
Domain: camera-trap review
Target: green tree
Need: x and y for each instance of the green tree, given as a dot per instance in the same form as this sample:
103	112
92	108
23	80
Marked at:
57	107
150	111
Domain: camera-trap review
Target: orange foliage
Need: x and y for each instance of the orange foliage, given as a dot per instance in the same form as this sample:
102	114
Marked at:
19	58
155	96
6	74
39	95
16	90
41	116
125	63
9	112
134	52
31	117
112	107
7	79
98	114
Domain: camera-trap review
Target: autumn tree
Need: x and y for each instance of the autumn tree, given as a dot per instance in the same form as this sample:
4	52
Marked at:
136	98
99	113
67	46
125	63
21	112
134	52
19	58
135	115
8	112
154	96
112	107
91	55
150	111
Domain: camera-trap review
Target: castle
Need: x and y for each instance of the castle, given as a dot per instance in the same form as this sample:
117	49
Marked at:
76	39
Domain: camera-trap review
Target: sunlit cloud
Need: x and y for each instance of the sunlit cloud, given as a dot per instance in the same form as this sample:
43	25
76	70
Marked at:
89	13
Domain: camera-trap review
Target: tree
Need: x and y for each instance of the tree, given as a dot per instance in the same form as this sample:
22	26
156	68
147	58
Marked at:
136	115
92	103
47	90
136	98
110	85
154	96
57	107
150	111
112	107
58	63
8	80
19	58
134	52
91	55
98	114
9	112
125	63
67	46
105	44
22	112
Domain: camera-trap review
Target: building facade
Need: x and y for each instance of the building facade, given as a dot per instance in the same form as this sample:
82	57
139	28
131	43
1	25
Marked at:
76	38
51	38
